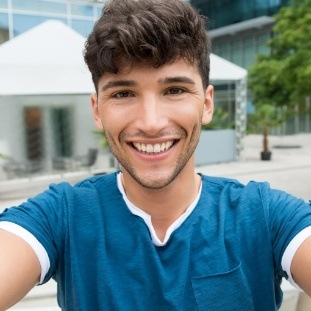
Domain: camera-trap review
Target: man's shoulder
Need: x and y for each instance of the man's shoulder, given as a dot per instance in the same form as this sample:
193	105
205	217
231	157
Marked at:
236	190
88	187
225	182
98	180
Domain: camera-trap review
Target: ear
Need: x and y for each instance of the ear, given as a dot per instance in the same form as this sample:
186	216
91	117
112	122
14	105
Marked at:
95	110
208	105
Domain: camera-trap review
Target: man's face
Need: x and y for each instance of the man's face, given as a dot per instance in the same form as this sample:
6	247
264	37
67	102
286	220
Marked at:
152	119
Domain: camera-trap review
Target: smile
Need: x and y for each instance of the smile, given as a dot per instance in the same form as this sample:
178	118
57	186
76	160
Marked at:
153	148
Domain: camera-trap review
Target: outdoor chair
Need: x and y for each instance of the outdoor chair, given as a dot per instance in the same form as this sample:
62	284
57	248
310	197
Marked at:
88	160
63	164
19	169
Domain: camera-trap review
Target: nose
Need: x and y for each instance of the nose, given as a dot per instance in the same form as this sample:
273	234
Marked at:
152	115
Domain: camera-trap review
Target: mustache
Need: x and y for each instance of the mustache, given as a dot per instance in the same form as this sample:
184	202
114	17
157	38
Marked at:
162	133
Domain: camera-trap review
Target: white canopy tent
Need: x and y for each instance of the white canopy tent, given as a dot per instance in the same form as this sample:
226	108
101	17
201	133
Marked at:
223	70
47	60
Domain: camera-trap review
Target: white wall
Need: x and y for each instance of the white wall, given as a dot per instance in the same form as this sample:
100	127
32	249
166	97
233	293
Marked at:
215	146
12	123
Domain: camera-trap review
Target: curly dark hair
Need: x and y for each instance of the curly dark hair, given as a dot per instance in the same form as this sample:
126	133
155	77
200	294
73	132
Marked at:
153	31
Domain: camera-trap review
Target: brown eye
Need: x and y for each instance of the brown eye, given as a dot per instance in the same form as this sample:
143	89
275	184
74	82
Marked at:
175	91
123	94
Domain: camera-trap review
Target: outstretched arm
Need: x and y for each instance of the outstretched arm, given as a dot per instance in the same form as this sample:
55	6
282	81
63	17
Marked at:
19	269
301	266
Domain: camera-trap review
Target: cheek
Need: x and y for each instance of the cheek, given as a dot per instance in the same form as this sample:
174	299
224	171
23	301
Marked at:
114	123
192	116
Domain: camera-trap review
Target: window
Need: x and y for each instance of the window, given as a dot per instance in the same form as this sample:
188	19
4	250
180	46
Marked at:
39	6
3	4
82	10
33	133
62	131
83	27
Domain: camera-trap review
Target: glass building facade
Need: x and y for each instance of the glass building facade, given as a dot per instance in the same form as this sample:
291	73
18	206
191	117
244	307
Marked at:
227	12
239	29
18	16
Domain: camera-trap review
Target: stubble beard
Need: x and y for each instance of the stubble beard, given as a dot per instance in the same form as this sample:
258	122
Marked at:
149	182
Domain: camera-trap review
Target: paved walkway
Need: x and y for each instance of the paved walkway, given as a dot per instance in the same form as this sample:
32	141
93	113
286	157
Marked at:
289	170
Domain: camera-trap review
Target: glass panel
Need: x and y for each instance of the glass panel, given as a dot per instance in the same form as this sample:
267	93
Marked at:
262	8
82	10
237	53
263	37
249	56
248	11
99	11
262	47
3	4
226	12
83	27
225	54
249	53
4	28
25	22
40	6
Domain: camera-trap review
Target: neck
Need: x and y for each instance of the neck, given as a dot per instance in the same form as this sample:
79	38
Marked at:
164	205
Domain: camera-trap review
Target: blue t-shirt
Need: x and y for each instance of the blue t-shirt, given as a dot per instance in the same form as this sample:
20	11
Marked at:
225	256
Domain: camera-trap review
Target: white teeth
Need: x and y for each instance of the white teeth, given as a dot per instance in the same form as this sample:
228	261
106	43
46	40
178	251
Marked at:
149	148
157	148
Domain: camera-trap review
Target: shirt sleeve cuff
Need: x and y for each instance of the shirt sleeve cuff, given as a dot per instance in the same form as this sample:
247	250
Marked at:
291	250
37	247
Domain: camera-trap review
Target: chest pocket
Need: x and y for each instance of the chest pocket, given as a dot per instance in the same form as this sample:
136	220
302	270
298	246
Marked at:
223	291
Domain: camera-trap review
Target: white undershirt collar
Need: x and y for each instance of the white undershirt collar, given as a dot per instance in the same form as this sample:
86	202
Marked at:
147	218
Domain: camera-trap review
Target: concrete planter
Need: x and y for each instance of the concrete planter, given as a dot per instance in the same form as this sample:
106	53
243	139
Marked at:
215	146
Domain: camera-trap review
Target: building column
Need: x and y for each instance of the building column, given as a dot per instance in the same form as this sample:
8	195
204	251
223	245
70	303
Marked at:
240	116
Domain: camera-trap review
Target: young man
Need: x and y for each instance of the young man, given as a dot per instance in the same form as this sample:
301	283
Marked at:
155	236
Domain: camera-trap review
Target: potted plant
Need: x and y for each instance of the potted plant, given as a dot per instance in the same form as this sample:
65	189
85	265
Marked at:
102	136
264	119
106	155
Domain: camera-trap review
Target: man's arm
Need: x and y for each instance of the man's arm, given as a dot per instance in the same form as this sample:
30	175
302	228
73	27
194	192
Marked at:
19	269
301	266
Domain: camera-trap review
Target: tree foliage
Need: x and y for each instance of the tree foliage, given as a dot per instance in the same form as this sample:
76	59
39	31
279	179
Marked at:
283	77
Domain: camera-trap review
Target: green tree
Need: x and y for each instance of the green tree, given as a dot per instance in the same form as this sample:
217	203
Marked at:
283	77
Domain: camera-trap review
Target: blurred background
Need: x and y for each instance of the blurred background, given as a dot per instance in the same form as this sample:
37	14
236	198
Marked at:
260	68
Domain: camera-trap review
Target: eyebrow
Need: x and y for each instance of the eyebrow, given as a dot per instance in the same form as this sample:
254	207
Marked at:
177	79
164	81
116	83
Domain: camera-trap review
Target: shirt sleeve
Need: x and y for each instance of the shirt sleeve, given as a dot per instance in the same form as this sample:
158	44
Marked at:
32	242
289	220
44	221
291	250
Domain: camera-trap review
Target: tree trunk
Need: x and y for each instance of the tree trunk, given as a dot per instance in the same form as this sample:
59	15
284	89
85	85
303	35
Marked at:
265	139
